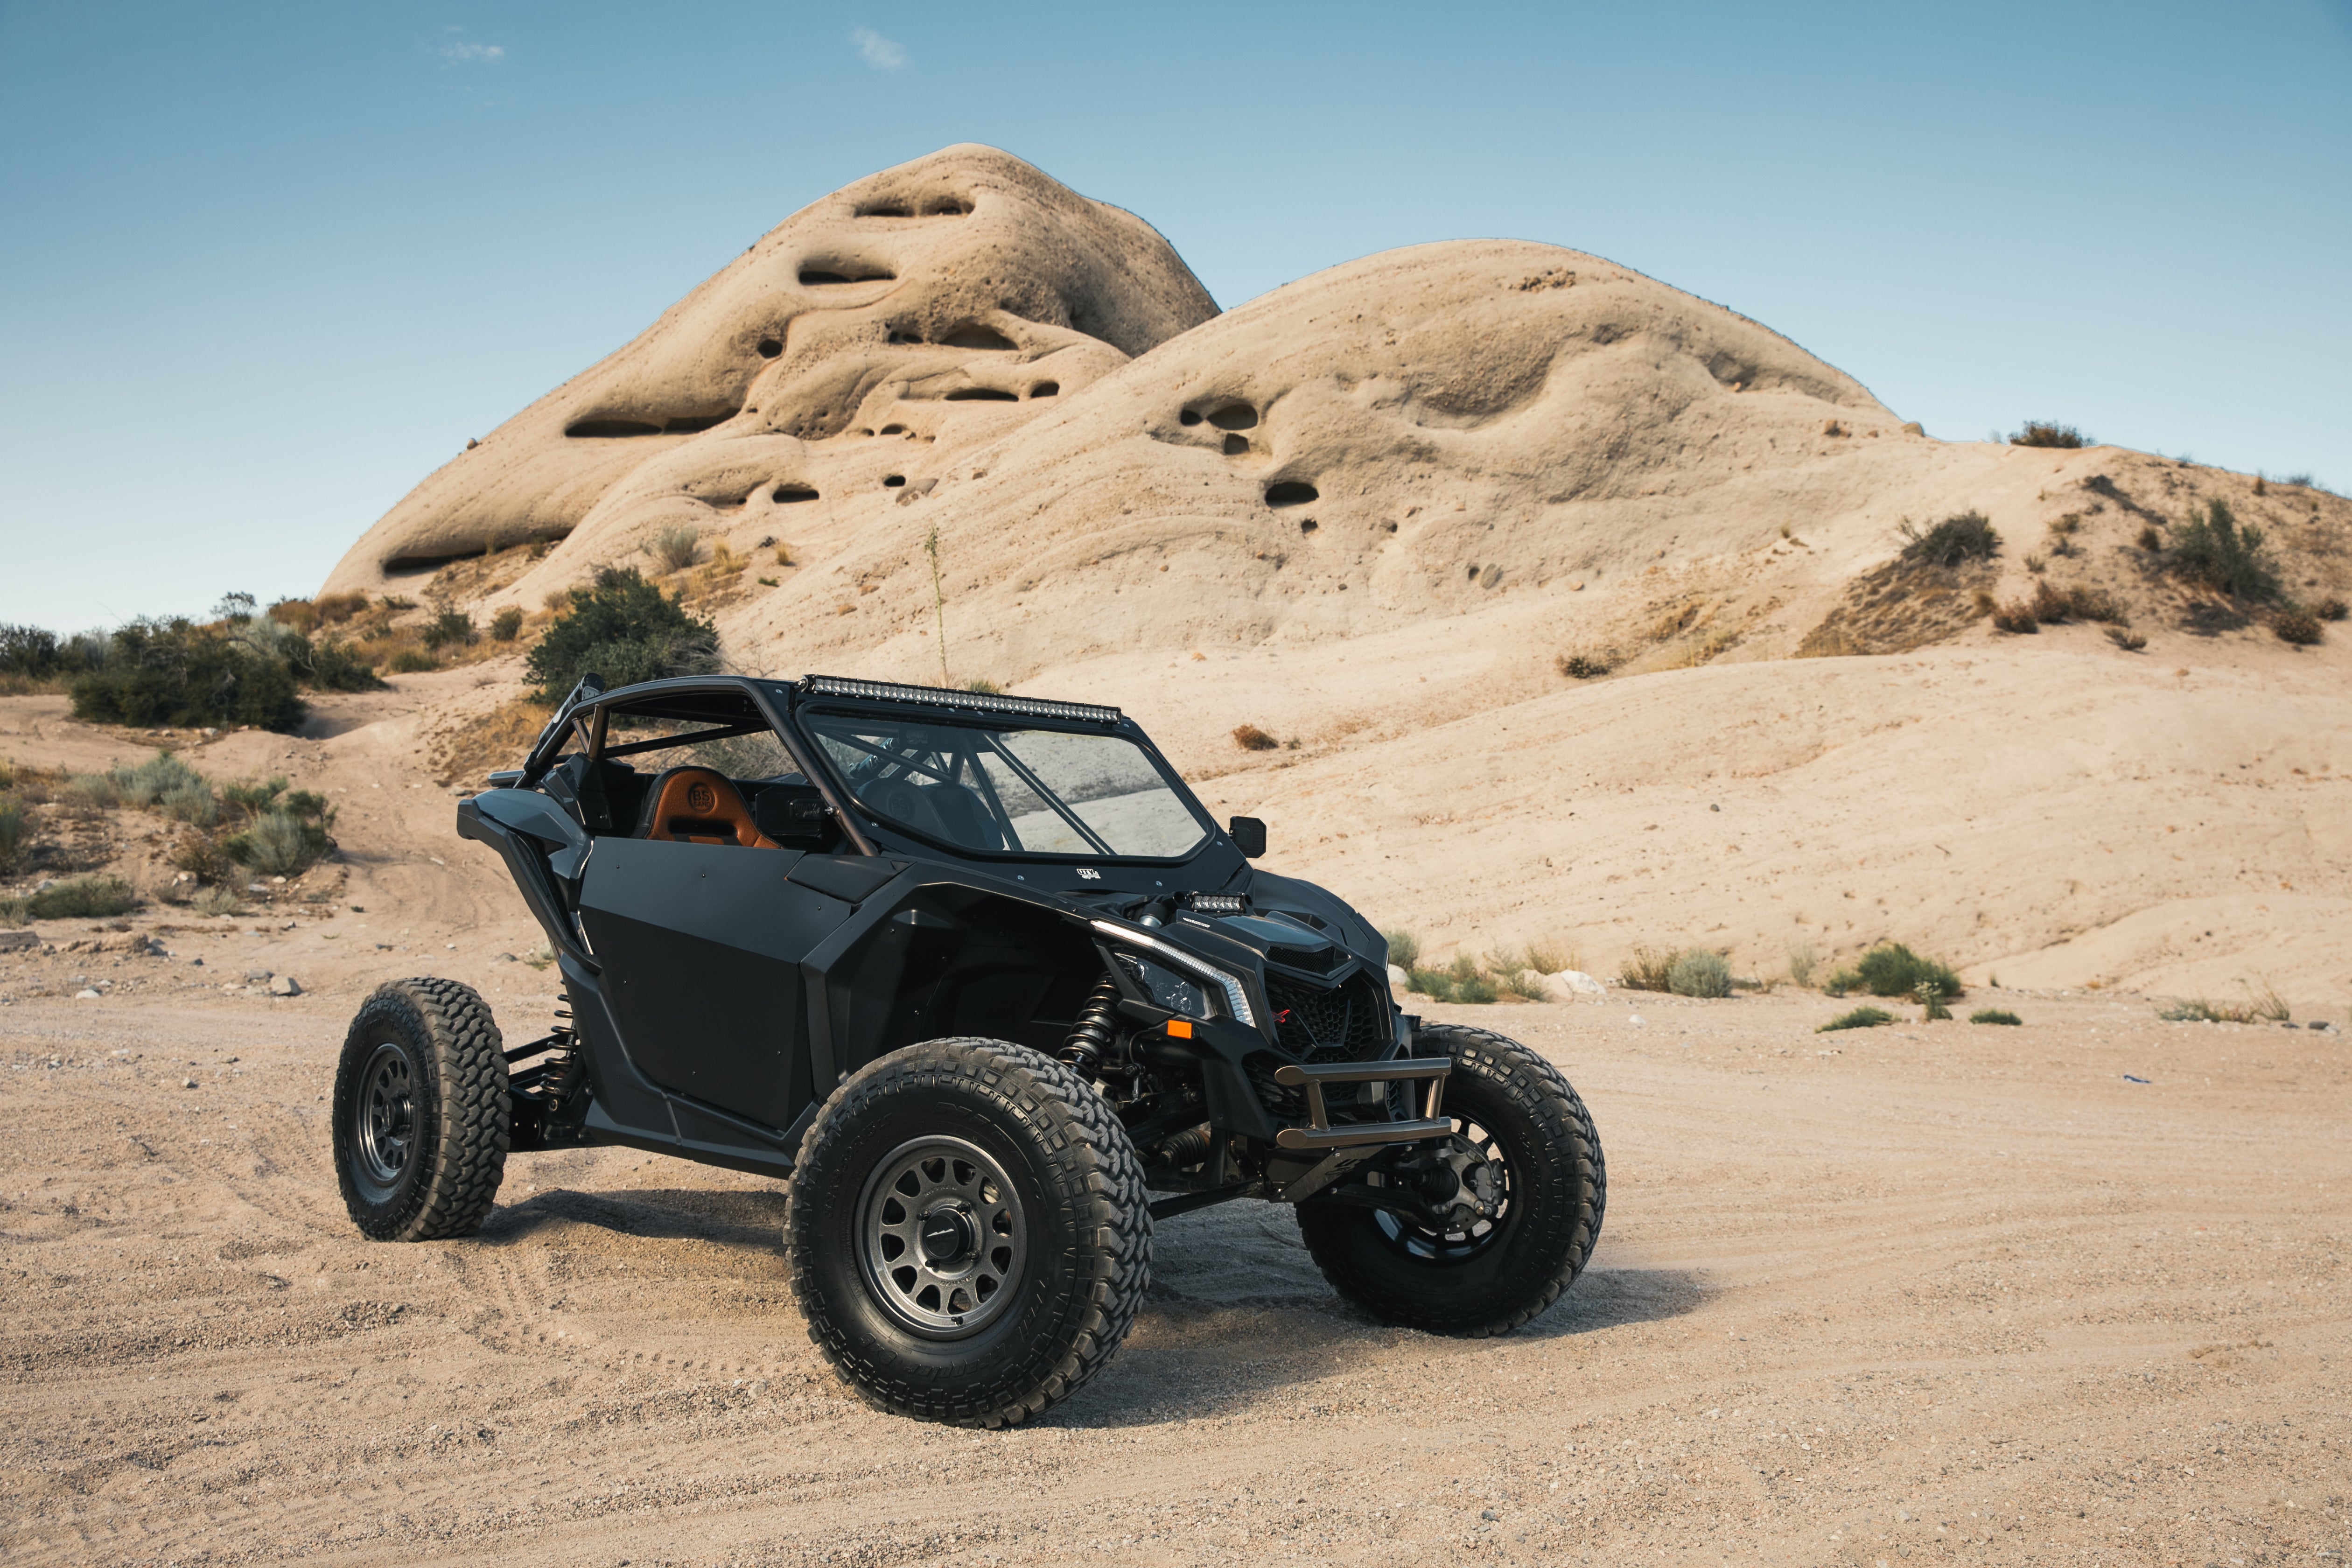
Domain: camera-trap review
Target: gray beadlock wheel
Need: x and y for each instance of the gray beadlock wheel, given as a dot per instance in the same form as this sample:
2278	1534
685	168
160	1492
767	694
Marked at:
968	1232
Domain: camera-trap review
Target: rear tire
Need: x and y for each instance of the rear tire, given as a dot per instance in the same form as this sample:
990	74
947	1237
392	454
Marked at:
421	1117
968	1232
1491	1278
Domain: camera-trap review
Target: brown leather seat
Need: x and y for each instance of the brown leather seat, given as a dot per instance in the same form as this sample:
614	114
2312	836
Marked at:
698	806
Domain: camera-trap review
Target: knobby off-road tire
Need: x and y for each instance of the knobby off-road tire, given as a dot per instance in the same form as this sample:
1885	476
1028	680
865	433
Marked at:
1558	1189
421	1118
987	1324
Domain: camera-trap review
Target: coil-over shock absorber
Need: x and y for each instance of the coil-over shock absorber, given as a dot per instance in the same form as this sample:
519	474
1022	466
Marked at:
1091	1036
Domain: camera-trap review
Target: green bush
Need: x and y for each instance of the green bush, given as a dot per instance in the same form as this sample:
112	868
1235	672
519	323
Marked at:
449	627
2212	548
148	783
178	673
1404	948
1860	1019
1951	542
2296	624
329	665
193	803
506	624
1995	1016
278	843
1699	973
217	901
413	661
82	898
253	798
13	831
15	912
1458	981
1891	969
622	628
2049	433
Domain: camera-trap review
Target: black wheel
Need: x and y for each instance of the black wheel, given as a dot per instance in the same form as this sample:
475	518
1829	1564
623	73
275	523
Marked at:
421	1118
1521	1184
969	1232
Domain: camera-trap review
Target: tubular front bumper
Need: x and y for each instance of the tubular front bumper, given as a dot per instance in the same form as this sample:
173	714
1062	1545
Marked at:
1319	1134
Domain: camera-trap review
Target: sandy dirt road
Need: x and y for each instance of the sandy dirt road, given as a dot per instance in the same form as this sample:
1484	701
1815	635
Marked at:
1948	1294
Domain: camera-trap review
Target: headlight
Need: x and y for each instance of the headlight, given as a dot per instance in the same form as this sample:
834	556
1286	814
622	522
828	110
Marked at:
1166	988
1202	979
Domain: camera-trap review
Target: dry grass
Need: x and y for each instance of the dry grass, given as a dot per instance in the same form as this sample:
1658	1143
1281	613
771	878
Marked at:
499	739
1249	738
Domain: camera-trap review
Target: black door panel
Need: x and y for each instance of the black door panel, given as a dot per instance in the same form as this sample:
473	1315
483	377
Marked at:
702	947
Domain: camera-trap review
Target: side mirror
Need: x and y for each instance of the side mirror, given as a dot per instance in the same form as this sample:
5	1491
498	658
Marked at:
1248	835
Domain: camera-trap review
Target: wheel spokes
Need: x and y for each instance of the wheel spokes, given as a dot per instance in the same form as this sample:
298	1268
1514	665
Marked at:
942	1236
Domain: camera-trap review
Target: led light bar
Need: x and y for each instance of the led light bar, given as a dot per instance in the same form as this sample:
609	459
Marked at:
946	697
1215	903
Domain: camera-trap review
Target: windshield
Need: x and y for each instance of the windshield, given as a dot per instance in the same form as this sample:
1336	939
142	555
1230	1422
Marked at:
1012	791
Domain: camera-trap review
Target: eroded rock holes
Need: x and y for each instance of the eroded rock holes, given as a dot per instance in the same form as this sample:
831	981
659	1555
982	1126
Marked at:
771	347
784	495
981	395
1290	492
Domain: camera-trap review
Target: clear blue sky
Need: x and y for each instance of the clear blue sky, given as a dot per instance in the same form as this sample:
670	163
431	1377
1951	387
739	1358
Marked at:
263	266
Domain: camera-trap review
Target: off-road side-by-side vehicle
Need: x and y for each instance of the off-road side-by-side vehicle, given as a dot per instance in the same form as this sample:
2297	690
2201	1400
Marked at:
977	974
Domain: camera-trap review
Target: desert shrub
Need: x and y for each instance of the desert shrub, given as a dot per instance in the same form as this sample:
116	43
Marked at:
1249	738
622	628
1404	948
15	912
2016	617
2296	624
1699	973
1800	965
2129	641
1860	1019
15	828
673	549
1930	997
147	783
2214	550
253	797
278	843
448	628
2201	1011
1458	981
984	686
412	661
82	898
329	665
193	804
2054	606
1995	1016
201	857
178	673
1891	969
1648	970
1951	542
1584	666
2150	540
217	901
2331	608
2049	433
506	624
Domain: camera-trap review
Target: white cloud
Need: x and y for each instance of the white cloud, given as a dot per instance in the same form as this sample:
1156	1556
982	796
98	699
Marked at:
879	52
473	54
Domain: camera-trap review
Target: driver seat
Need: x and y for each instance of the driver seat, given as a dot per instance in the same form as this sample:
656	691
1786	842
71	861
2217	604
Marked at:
698	806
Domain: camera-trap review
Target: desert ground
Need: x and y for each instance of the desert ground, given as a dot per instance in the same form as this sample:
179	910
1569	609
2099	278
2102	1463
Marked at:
1575	611
1935	1292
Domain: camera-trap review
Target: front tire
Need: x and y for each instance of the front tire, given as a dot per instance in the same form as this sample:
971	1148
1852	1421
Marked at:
1527	1141
421	1118
968	1232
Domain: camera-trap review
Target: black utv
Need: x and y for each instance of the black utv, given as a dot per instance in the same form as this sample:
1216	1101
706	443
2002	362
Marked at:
977	974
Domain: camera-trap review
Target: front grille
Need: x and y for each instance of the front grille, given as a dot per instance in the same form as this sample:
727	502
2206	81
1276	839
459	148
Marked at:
1346	1023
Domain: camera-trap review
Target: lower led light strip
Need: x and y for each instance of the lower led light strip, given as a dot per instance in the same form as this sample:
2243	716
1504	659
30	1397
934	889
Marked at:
1236	999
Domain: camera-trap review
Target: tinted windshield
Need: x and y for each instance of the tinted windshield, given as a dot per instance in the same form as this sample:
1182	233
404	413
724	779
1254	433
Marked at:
1002	790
